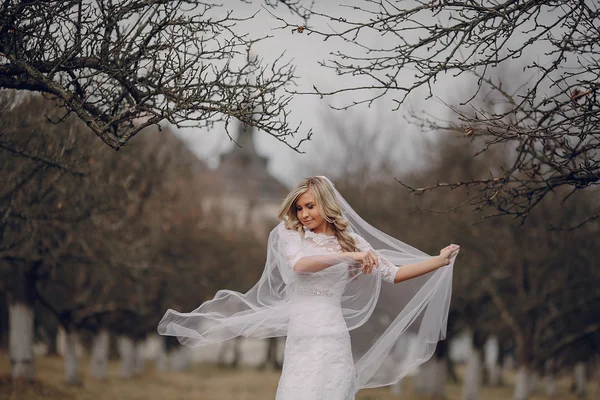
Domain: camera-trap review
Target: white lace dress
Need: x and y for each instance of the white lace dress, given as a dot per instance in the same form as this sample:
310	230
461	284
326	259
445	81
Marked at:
318	362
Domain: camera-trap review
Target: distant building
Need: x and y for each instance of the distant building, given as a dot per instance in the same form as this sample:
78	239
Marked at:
242	190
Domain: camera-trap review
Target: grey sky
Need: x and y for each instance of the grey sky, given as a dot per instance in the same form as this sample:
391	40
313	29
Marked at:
306	51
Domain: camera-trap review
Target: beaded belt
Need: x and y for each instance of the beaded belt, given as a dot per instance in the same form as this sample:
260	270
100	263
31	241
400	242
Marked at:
315	292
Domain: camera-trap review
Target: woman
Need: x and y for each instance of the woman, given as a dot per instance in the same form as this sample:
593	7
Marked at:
321	287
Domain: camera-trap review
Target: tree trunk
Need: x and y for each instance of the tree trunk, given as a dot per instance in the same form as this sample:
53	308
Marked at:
271	361
396	388
180	360
523	383
71	360
140	349
494	364
551	386
99	358
21	340
534	378
580	379
162	357
495	372
229	353
126	353
431	379
52	350
472	382
550	378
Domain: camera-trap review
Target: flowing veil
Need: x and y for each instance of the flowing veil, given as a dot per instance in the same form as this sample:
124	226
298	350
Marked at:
393	327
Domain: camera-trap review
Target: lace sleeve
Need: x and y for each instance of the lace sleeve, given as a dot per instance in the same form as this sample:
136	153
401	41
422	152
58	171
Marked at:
386	269
290	247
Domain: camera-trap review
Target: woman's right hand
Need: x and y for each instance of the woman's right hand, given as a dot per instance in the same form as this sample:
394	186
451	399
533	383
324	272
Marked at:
367	259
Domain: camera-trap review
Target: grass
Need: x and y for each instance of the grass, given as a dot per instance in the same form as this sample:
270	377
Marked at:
203	382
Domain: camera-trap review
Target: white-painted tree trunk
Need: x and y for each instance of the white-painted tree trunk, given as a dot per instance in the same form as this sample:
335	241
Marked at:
140	360
472	382
396	388
509	363
21	340
99	359
229	352
550	378
523	384
534	379
492	361
495	371
180	359
580	376
127	355
162	358
71	360
431	379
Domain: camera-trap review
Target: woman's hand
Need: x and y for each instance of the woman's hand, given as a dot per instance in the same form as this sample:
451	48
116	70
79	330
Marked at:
449	252
367	259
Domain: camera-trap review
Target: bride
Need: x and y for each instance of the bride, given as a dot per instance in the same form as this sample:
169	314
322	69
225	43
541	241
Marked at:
321	287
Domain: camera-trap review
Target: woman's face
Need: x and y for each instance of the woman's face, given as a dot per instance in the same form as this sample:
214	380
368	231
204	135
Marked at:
308	213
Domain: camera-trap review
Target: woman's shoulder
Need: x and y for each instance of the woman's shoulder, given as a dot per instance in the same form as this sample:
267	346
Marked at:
284	230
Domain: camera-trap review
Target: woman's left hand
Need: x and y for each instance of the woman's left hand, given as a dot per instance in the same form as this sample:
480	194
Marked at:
449	252
368	260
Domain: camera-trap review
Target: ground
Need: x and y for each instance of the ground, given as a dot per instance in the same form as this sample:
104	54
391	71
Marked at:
201	383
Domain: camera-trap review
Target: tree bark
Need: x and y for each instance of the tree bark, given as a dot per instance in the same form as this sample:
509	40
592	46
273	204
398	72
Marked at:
52	350
180	360
523	384
431	379
21	340
271	361
140	363
580	379
229	353
126	353
71	360
472	382
162	357
99	358
550	378
496	367
396	388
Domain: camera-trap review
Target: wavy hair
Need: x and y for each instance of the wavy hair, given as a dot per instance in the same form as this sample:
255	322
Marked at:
327	205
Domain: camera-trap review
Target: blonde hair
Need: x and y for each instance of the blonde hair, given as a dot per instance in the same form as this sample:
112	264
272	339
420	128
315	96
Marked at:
327	205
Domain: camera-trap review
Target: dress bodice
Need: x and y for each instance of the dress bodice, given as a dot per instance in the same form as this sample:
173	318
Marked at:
316	296
329	243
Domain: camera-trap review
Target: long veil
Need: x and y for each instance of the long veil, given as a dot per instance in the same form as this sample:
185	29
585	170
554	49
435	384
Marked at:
393	327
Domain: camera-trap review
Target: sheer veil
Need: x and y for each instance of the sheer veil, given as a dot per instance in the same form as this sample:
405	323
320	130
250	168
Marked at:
393	327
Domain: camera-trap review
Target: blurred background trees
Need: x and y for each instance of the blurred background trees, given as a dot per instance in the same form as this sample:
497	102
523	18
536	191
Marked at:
103	241
536	59
95	245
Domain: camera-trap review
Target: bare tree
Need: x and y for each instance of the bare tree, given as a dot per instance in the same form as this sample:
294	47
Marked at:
122	66
40	164
551	111
520	283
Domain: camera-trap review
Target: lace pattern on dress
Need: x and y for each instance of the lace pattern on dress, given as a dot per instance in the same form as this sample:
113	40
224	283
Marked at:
386	268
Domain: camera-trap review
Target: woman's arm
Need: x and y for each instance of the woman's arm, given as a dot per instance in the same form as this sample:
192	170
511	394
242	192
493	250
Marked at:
320	262
410	271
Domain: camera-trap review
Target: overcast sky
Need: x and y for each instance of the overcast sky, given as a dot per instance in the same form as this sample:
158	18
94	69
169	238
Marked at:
306	51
